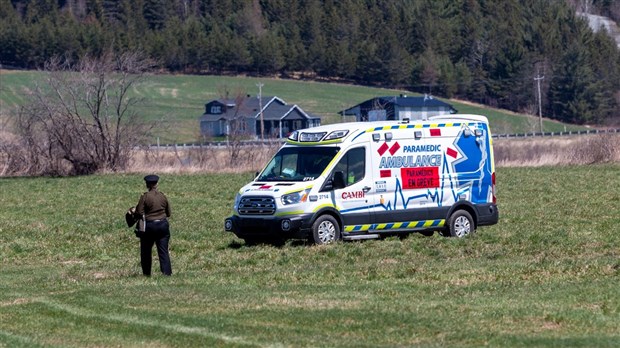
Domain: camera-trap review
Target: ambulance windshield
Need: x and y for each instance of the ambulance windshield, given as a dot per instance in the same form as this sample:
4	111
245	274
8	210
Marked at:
298	163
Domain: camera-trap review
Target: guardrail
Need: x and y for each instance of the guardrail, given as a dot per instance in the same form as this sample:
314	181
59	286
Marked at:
278	142
557	134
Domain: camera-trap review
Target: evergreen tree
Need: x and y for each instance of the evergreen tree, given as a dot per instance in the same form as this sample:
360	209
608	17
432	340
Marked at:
37	10
482	50
114	12
94	9
508	66
12	36
447	81
267	55
572	88
155	13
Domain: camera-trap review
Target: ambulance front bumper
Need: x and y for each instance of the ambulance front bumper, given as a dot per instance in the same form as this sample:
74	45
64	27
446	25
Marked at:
298	226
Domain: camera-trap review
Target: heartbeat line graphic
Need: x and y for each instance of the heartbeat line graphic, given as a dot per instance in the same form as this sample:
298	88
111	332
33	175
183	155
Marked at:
432	195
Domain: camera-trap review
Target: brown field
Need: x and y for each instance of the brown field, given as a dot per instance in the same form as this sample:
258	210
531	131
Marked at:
557	151
527	152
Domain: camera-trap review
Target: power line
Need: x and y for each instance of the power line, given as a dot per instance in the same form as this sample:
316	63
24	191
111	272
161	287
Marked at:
537	79
260	106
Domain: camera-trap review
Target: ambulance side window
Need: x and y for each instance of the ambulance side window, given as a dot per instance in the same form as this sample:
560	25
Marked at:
353	165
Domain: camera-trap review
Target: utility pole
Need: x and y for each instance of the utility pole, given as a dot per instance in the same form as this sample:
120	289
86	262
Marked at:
537	79
260	106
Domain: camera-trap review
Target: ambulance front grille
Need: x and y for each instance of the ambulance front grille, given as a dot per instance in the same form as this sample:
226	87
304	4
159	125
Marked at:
257	206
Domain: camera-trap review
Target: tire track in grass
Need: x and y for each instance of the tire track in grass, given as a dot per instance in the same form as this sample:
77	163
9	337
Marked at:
132	320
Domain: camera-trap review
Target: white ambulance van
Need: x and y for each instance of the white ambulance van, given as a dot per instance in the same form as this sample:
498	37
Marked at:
367	179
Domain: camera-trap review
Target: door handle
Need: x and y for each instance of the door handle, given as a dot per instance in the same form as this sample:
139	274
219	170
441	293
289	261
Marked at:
366	189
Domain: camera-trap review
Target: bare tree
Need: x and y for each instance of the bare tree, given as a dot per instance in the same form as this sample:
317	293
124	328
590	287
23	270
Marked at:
378	110
238	128
82	118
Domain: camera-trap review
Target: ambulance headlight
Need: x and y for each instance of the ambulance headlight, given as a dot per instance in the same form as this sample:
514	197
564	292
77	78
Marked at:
237	200
295	197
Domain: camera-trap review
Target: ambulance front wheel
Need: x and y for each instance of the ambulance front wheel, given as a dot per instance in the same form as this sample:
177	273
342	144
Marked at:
325	230
460	224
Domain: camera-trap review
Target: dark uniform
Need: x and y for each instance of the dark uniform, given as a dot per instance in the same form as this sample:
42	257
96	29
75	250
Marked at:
156	210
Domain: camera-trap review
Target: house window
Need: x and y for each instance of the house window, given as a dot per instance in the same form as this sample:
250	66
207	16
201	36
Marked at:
216	109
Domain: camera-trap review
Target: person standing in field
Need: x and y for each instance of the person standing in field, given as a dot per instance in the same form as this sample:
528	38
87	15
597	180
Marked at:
154	206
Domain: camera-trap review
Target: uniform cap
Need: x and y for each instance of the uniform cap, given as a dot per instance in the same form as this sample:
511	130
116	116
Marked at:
151	178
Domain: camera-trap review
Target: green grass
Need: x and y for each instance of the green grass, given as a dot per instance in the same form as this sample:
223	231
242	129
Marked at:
179	100
547	275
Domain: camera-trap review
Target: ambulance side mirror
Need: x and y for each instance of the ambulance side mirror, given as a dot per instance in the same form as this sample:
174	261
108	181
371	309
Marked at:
338	181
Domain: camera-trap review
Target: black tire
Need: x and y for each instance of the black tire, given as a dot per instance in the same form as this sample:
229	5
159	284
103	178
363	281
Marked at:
325	230
460	224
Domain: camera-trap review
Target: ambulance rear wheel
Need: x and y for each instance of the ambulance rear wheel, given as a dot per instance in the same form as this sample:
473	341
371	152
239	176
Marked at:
460	224
325	230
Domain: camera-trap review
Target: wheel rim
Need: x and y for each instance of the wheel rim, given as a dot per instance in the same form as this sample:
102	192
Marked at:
326	232
462	227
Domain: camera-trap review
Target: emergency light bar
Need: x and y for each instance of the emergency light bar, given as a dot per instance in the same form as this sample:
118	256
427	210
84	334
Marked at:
337	134
316	137
311	137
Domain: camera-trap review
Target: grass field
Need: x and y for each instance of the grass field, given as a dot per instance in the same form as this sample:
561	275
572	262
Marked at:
546	276
179	101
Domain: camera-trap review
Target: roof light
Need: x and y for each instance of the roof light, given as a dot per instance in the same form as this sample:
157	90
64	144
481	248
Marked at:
294	136
311	137
337	134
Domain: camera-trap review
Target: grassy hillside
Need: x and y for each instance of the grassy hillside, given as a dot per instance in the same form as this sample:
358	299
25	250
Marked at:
547	275
179	100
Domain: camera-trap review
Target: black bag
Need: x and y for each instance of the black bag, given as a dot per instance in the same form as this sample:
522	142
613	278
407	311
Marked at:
130	217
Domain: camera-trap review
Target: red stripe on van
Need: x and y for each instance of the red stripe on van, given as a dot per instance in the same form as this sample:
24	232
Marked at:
452	153
381	150
394	148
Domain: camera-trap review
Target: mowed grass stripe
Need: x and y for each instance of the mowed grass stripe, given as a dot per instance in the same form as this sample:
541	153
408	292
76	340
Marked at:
135	320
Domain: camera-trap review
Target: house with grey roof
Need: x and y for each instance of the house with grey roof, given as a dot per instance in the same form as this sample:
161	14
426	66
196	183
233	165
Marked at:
242	116
399	108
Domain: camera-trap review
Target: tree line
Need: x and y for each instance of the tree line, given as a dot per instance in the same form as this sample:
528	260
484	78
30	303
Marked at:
493	52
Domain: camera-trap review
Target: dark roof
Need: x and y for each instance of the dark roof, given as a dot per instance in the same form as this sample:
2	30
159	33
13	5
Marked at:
274	108
290	112
404	101
424	101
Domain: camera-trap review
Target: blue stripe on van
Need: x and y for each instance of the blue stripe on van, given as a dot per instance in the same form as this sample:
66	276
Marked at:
396	225
440	125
